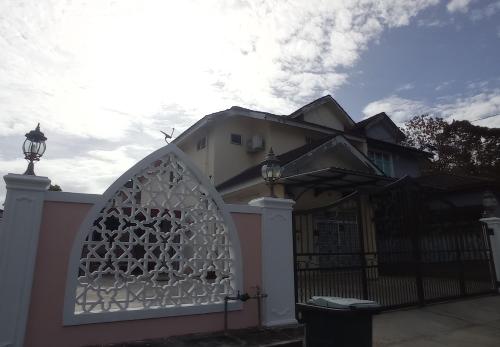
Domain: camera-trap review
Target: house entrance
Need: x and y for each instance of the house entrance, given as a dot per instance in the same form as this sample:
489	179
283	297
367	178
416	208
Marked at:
402	245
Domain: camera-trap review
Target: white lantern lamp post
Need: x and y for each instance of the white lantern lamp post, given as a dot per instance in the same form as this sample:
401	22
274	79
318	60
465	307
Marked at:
33	148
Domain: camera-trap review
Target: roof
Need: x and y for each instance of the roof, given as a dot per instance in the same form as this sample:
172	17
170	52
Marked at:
290	119
397	148
336	178
285	158
235	111
379	117
318	102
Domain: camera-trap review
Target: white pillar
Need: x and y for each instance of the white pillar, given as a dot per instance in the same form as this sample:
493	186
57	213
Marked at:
494	224
18	247
277	261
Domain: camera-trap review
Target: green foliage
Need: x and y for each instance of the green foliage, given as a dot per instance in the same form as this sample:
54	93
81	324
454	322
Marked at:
458	147
55	188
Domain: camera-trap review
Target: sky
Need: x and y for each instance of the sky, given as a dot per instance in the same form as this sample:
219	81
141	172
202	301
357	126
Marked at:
103	77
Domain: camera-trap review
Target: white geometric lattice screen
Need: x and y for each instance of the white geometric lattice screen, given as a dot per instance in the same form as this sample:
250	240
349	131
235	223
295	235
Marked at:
159	242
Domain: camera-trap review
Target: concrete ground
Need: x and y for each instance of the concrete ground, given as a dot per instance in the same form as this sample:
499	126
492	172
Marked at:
464	323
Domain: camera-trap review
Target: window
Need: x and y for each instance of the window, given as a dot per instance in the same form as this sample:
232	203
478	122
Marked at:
202	143
236	139
309	140
383	161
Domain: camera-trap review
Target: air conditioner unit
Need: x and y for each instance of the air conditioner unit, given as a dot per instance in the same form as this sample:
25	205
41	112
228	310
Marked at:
255	143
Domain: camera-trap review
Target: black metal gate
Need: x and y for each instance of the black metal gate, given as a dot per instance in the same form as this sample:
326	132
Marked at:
401	246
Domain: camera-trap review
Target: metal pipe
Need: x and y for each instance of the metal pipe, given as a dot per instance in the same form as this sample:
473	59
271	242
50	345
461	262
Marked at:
259	296
244	297
259	307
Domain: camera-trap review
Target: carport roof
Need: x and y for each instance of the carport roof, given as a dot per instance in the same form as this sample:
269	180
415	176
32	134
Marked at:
335	178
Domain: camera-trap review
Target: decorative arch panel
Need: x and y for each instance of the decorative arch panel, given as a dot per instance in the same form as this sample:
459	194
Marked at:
158	243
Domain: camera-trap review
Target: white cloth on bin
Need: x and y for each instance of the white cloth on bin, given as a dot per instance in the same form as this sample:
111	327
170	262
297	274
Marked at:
342	303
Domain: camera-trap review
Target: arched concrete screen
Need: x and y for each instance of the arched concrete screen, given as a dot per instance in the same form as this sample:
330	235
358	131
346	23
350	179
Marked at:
158	243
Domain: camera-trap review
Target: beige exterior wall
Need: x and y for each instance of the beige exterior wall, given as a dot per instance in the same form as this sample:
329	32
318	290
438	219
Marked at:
227	160
326	116
231	159
203	158
283	138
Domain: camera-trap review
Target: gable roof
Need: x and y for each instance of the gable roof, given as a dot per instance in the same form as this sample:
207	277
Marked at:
285	158
327	99
236	111
379	117
393	147
290	157
334	142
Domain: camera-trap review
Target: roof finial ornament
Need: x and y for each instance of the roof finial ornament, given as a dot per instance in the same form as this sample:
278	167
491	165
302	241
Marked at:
167	136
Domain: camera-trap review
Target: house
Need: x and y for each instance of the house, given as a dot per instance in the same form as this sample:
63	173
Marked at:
324	153
367	222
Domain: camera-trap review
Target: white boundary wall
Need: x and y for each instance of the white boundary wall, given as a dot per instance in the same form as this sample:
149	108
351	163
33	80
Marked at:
18	248
277	261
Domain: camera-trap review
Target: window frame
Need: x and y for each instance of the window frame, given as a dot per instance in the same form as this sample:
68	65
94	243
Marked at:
385	159
236	142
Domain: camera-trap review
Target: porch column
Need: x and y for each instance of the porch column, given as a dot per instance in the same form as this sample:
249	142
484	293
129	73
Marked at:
18	247
277	261
494	224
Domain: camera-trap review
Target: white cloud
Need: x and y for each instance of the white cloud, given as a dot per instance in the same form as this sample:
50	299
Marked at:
458	6
92	172
443	85
431	22
486	11
473	107
484	104
398	108
119	71
407	86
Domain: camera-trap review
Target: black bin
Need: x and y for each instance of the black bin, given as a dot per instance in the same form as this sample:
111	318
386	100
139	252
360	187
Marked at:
338	322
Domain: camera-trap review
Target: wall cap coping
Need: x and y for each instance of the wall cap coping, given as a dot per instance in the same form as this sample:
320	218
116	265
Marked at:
80	198
277	203
242	208
491	220
26	182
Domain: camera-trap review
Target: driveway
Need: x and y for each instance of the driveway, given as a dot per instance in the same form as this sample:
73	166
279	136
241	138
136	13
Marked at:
465	323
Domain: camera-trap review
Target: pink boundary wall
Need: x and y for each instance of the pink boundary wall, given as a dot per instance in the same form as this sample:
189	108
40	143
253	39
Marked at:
60	223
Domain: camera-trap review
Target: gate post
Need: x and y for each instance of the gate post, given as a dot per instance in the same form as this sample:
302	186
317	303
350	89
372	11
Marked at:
277	261
493	223
18	247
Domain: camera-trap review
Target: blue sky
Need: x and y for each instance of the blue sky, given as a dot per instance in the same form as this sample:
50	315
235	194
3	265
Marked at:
438	59
103	77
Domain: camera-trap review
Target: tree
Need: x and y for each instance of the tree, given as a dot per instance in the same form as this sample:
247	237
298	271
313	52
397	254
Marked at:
422	132
55	188
457	147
